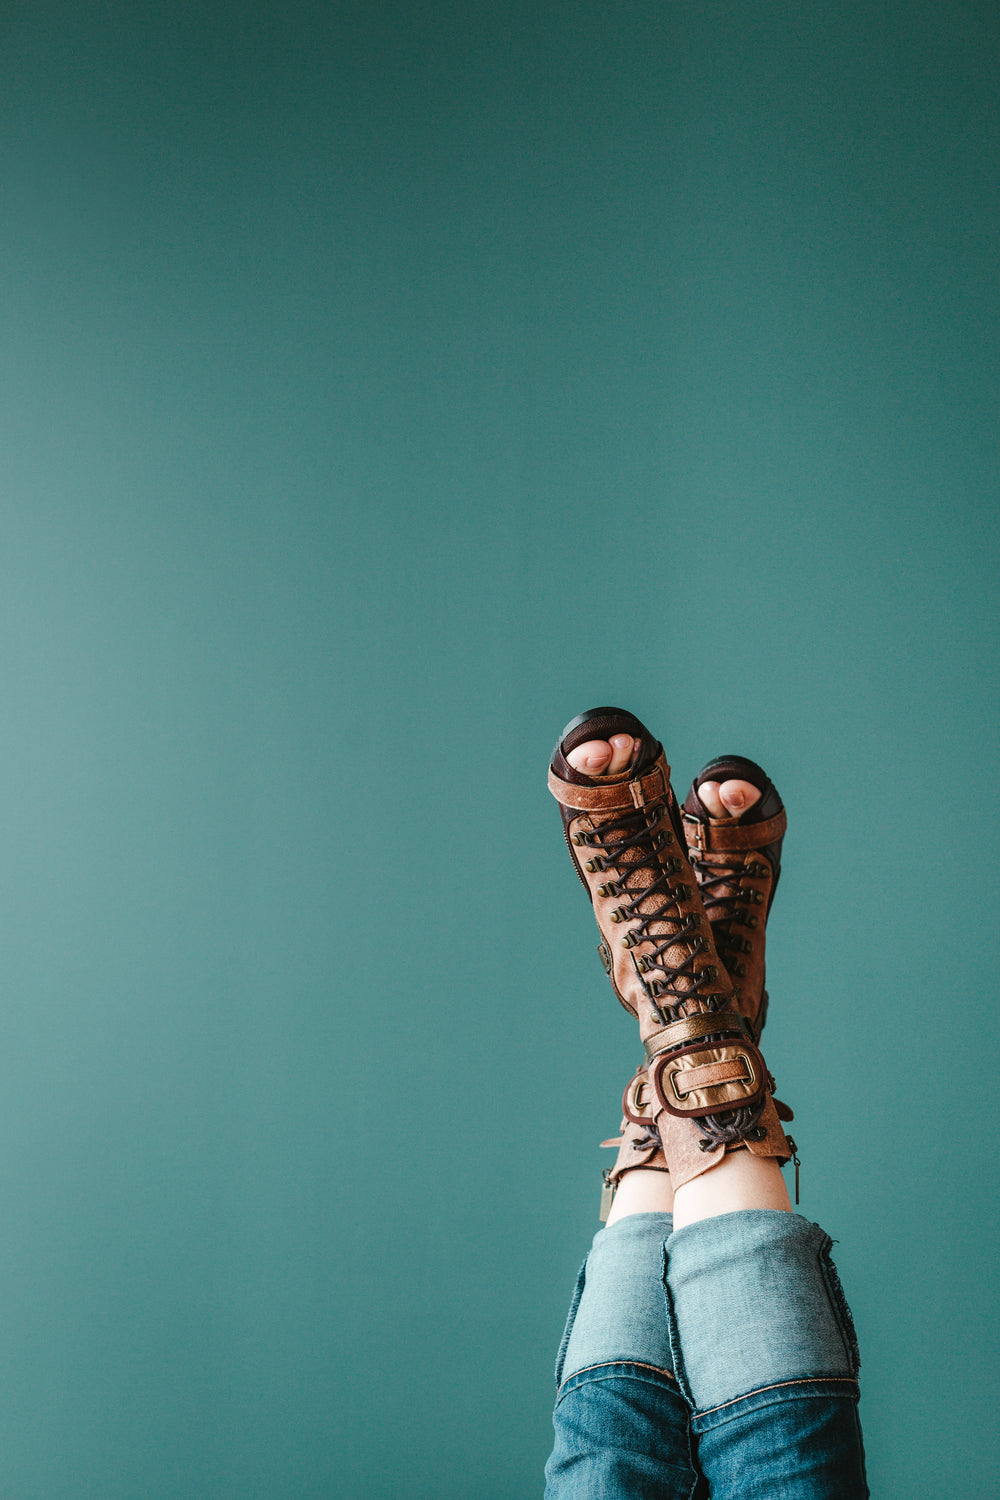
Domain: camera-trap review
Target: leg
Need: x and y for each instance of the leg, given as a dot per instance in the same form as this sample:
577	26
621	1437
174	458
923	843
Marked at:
763	1339
622	1427
762	1342
765	1353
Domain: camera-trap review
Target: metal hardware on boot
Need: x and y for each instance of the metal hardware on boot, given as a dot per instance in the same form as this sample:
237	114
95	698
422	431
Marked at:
705	1080
739	1070
795	1158
637	1105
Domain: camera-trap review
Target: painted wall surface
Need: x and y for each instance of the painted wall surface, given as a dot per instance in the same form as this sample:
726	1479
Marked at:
385	382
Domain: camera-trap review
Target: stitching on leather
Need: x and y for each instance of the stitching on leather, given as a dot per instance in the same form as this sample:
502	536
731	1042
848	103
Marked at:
780	1385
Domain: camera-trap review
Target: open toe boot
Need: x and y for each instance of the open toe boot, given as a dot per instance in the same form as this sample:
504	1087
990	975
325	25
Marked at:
638	1140
709	1086
737	863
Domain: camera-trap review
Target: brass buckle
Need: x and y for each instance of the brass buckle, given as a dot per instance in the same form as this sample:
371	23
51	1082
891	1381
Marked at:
695	833
637	1101
751	1078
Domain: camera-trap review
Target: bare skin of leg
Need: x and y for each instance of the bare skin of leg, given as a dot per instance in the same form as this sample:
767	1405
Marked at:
641	1192
741	1180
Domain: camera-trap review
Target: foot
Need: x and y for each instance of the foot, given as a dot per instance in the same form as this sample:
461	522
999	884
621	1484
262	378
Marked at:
727	799
603	757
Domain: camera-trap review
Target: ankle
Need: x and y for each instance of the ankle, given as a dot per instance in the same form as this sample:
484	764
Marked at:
739	1181
642	1192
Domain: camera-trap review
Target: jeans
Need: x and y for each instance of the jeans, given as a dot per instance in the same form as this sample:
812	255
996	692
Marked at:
718	1360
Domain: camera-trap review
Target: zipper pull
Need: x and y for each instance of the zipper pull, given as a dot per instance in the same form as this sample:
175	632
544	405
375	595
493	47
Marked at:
795	1159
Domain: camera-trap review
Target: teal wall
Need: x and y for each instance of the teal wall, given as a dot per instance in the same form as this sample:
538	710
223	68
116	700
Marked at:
383	384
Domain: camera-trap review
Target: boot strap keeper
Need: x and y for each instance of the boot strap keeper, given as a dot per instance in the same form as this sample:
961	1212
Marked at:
693	1028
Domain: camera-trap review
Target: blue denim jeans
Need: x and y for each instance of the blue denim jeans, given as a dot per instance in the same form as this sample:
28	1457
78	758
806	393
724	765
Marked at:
720	1359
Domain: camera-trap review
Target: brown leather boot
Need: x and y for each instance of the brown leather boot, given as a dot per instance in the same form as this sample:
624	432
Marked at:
710	1085
737	862
638	1141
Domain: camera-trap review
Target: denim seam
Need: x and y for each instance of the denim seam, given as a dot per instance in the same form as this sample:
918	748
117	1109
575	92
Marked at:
605	1364
842	1311
676	1353
571	1319
780	1385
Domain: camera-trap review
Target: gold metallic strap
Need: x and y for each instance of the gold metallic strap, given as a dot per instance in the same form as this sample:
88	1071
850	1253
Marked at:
693	1028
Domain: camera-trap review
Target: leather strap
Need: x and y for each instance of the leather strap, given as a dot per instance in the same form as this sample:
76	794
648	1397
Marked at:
614	796
693	1028
729	838
708	1077
730	1070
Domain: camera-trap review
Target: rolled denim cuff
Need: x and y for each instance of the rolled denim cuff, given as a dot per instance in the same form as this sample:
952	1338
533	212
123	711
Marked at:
755	1303
619	1312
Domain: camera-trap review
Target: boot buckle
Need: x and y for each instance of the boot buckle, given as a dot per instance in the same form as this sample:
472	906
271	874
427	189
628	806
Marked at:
695	833
699	1080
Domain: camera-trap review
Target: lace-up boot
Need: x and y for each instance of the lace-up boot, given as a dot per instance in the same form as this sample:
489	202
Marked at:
737	863
638	1140
710	1085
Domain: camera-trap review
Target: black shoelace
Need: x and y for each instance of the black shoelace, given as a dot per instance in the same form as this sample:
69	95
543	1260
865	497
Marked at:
638	836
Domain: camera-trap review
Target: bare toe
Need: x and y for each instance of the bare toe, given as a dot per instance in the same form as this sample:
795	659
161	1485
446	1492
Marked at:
601	757
712	803
737	797
591	758
728	799
621	744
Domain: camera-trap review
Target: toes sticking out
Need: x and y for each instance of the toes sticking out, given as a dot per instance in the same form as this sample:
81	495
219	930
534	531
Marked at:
728	799
603	757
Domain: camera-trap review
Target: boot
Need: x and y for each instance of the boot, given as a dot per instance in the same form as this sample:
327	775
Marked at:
710	1086
638	1141
737	863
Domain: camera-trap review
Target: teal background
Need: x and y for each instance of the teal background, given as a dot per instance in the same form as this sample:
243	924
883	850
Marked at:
383	384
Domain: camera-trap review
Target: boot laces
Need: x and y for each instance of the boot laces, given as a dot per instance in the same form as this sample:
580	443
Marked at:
719	886
628	844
